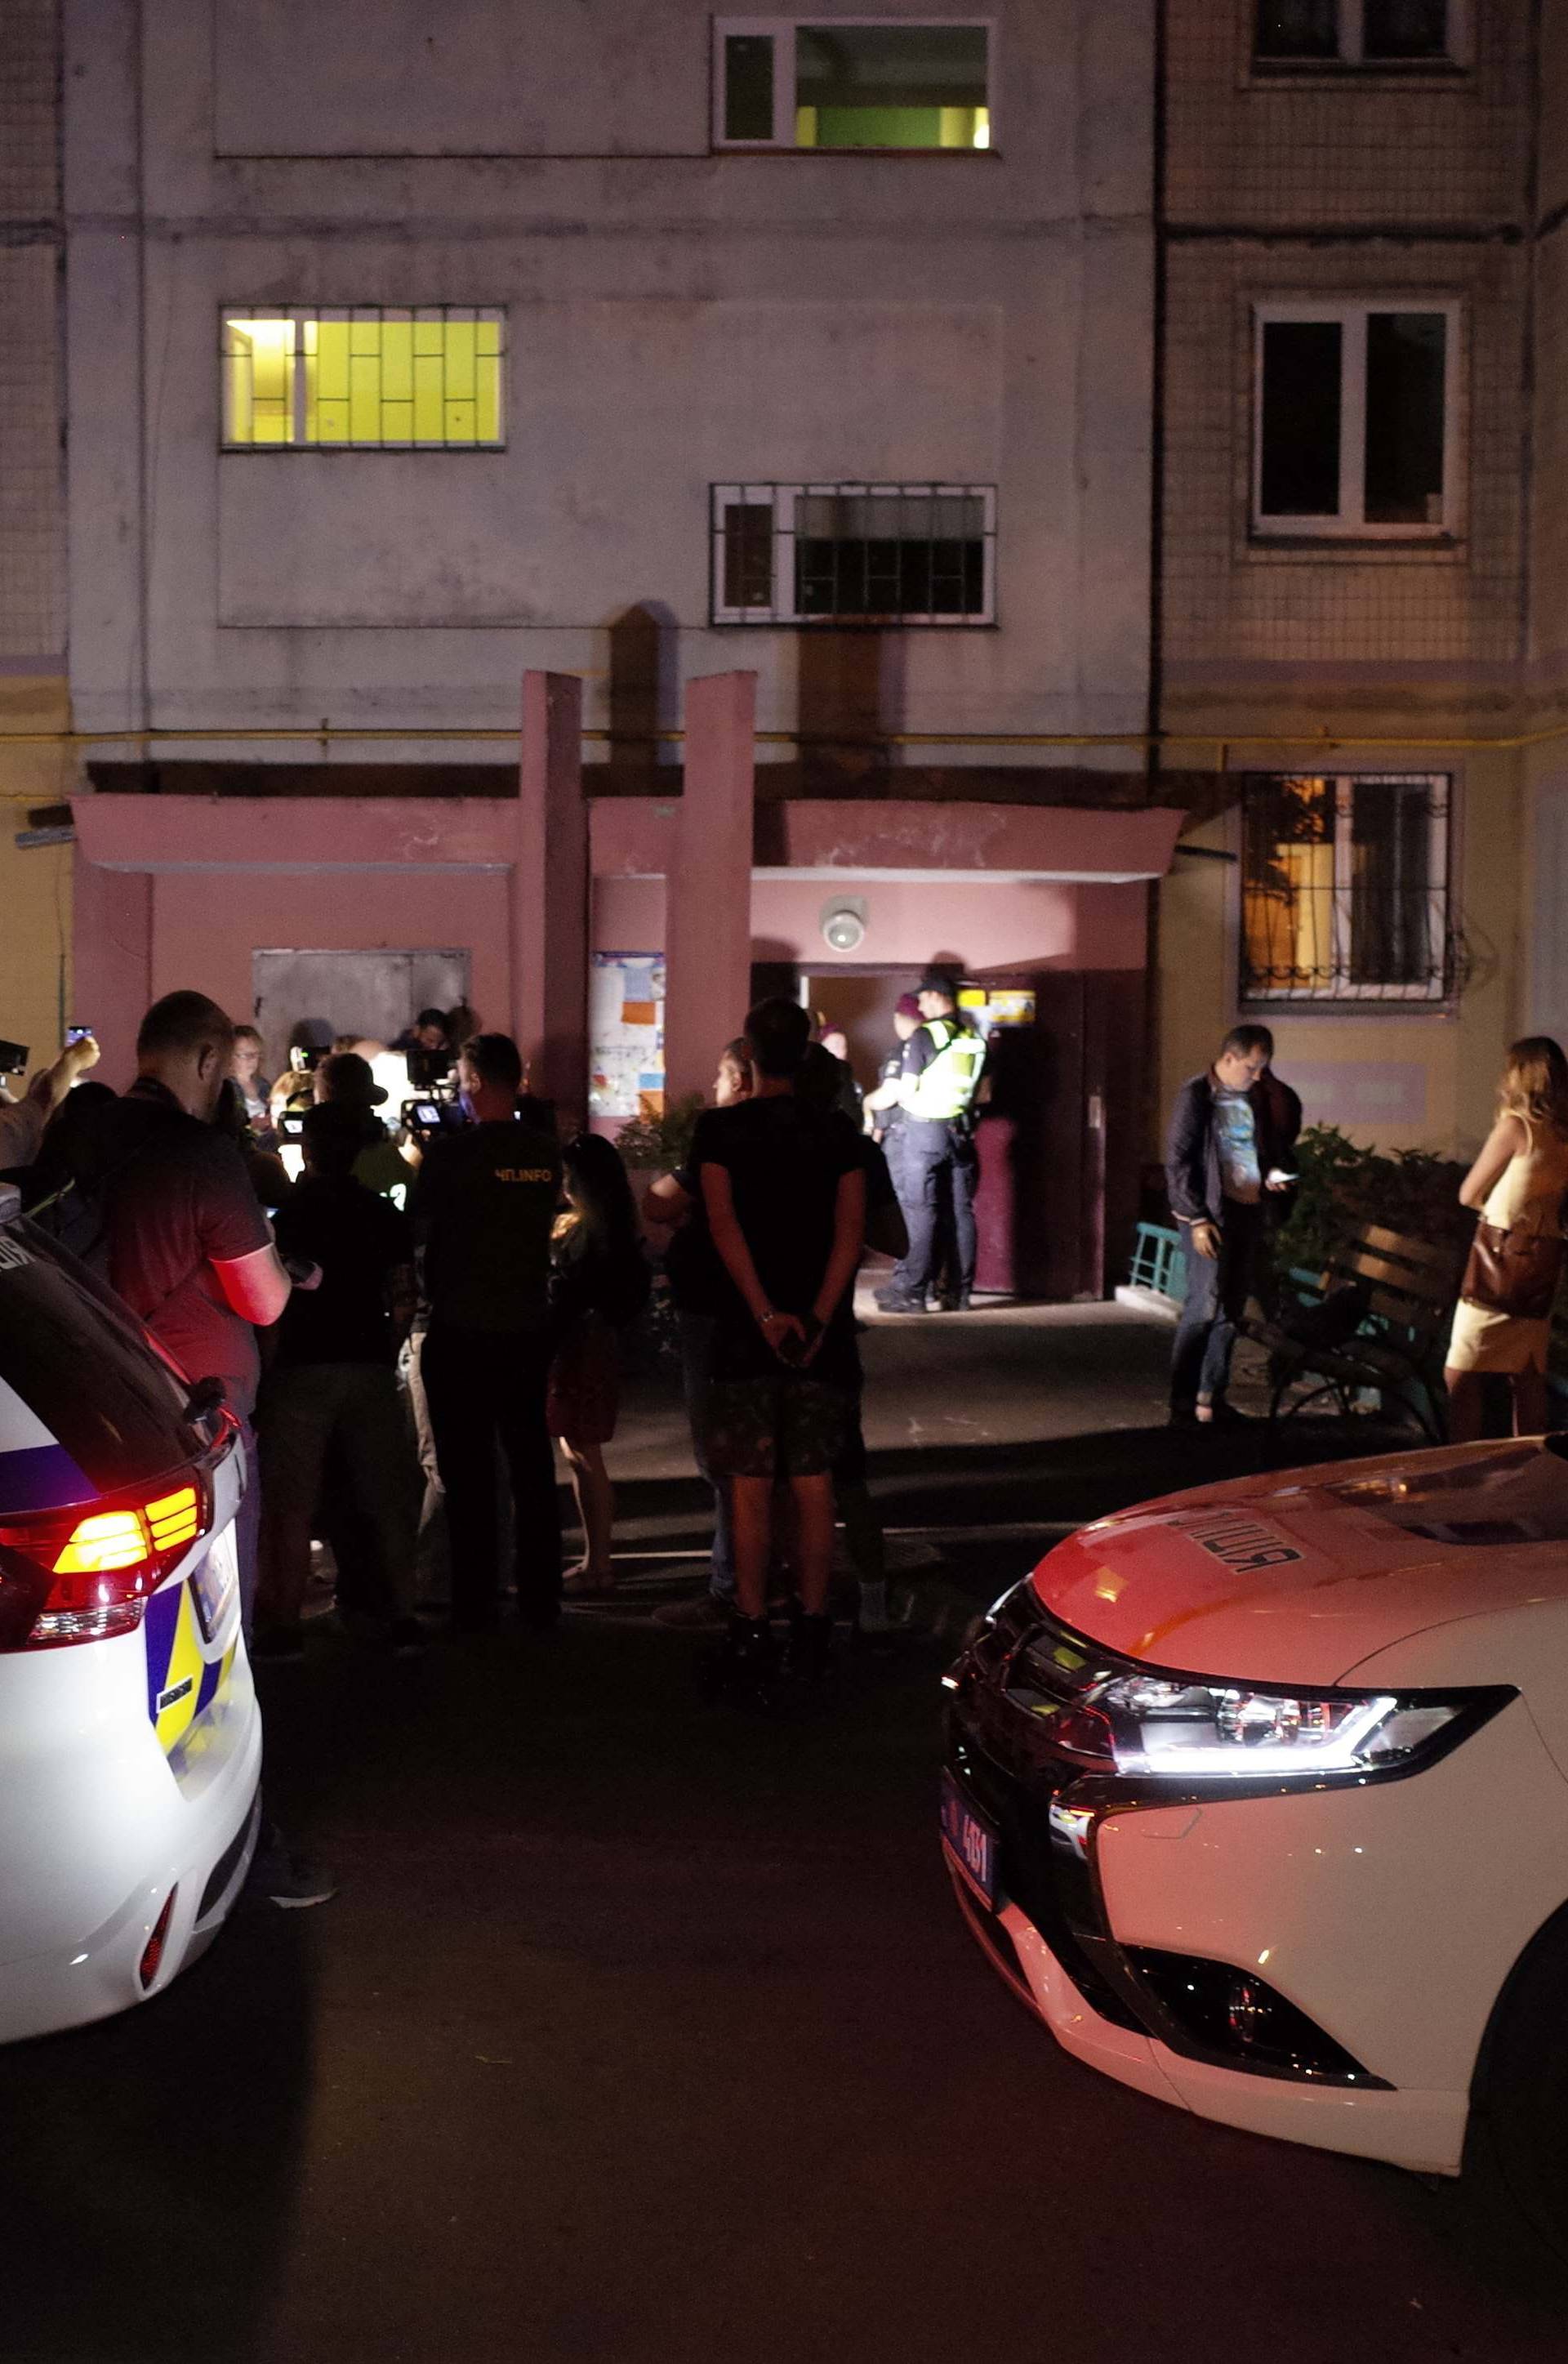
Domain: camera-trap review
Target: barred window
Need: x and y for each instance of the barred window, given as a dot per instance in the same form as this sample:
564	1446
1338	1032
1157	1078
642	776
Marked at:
1355	432
853	554
365	378
1358	32
850	82
1344	888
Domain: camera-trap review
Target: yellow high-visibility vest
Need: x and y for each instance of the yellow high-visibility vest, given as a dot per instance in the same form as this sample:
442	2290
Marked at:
944	1089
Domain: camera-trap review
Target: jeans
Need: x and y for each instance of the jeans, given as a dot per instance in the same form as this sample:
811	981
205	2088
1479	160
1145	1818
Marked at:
343	1423
1217	1297
485	1390
933	1185
696	1332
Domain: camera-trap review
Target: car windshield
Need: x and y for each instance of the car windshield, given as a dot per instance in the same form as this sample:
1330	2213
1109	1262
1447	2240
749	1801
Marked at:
78	1362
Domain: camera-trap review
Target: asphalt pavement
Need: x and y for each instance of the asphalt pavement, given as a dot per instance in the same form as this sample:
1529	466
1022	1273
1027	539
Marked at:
645	2031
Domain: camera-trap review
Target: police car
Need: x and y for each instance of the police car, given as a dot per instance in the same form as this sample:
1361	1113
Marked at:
1259	1796
131	1744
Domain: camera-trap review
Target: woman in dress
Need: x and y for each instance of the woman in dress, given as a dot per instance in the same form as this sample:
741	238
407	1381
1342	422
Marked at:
598	1287
1517	1184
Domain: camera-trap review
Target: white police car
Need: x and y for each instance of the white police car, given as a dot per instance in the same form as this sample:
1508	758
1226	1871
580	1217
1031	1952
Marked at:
1258	1795
131	1744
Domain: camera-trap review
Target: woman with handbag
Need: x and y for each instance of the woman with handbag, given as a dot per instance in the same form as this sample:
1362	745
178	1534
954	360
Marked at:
1503	1320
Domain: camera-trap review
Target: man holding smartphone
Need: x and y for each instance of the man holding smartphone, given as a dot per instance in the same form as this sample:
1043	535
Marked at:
1228	1158
22	1122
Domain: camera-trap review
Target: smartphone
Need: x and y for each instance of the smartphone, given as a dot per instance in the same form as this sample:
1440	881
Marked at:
13	1058
77	1033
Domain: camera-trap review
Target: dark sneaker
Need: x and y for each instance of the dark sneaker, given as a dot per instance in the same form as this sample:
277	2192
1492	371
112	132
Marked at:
810	1640
743	1669
888	1303
288	1880
1224	1415
278	1646
703	1614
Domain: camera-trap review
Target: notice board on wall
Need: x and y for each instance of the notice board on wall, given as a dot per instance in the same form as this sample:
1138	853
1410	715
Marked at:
626	1034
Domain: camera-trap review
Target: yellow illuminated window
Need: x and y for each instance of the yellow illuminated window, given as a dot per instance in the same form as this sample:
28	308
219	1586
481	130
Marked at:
366	379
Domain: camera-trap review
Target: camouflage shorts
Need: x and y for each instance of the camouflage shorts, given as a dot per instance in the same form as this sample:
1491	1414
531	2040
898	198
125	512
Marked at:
784	1427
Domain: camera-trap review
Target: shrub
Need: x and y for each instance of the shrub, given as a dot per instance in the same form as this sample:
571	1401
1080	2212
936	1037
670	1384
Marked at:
1344	1187
658	1144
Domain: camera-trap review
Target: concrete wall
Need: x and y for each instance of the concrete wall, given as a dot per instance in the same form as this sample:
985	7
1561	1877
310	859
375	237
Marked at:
675	319
35	885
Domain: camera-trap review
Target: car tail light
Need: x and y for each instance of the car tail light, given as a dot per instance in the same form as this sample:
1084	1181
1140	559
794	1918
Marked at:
78	1575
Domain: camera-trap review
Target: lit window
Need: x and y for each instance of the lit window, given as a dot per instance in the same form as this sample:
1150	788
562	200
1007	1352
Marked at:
1388	33
1353	428
366	379
854	554
780	81
1344	888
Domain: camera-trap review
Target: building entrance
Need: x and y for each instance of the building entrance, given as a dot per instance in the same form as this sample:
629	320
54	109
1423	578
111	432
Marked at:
372	992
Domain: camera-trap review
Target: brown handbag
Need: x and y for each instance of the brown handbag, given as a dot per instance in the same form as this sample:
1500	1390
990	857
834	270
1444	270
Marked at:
1513	1271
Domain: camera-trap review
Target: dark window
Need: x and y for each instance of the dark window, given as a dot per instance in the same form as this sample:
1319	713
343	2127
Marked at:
1391	892
1344	892
748	554
748	86
81	1365
862	556
1404	417
1397	29
1300	475
1297	29
889	85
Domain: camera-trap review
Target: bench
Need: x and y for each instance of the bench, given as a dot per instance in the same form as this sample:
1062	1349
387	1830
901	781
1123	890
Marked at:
1404	1296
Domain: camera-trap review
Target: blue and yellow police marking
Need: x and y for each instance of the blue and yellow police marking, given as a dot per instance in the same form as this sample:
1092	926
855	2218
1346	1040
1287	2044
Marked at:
180	1682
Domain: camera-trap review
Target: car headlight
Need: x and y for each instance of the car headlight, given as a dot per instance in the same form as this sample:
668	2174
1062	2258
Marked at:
1176	1728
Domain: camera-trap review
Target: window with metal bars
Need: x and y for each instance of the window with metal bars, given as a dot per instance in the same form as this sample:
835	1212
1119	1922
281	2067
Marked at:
890	555
1379	33
365	378
1344	888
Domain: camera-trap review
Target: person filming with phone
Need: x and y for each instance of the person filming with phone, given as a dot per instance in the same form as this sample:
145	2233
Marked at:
22	1122
1228	1164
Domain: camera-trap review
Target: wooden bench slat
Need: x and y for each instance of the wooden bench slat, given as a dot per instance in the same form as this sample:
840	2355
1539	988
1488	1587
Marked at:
1418	1282
1405	1243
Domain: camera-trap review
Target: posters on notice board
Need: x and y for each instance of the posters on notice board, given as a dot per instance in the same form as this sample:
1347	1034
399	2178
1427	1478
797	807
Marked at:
626	1034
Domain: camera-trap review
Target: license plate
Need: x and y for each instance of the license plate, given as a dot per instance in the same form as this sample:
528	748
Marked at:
971	1841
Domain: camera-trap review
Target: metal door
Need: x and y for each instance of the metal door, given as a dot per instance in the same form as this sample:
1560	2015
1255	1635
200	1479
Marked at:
373	993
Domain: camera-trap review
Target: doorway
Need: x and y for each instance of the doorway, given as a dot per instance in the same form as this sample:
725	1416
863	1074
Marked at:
863	1006
372	992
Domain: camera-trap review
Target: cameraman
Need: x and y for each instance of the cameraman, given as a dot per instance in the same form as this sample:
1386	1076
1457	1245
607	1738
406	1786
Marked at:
22	1122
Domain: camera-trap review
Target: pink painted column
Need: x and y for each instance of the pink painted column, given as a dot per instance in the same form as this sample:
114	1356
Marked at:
707	897
111	985
549	896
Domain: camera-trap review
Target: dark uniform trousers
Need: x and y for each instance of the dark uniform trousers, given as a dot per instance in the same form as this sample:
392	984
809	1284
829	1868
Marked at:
486	1390
935	1180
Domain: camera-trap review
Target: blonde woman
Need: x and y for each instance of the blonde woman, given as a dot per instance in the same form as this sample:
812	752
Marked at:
1517	1186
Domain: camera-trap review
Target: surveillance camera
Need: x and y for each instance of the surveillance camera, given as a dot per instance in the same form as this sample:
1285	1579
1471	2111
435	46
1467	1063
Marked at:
844	923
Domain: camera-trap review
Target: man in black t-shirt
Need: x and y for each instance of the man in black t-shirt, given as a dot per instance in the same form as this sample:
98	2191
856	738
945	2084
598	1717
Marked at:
185	1243
784	1192
483	1208
331	1388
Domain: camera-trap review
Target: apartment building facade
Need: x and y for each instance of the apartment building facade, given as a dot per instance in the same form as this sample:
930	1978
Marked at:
36	767
1361	559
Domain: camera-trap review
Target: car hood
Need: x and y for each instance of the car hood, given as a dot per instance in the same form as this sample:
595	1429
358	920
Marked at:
1298	1577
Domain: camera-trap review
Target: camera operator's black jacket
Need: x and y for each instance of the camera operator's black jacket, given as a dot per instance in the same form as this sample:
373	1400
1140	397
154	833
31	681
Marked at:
1193	1181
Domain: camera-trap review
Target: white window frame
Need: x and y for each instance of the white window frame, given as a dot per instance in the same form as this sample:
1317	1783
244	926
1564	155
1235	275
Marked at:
1457	46
1341	987
782	31
1351	313
782	498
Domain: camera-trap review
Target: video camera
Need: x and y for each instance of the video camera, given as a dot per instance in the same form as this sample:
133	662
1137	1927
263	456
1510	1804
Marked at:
426	1116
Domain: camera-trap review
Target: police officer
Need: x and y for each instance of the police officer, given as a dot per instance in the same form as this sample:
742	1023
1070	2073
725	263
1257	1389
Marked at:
936	1167
483	1208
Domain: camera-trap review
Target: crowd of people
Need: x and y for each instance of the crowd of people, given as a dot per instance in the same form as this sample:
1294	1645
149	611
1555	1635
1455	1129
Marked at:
406	1322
